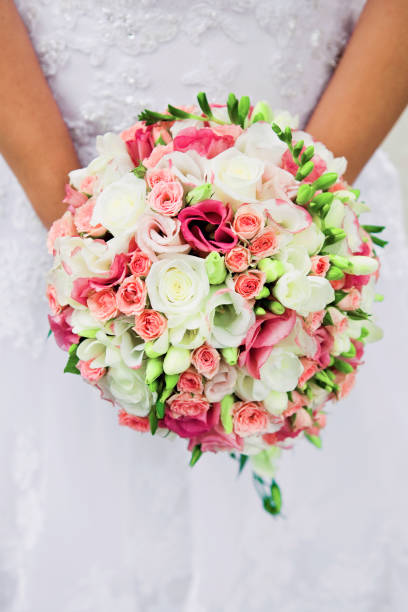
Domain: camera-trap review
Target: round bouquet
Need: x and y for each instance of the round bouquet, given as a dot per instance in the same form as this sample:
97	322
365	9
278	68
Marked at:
211	278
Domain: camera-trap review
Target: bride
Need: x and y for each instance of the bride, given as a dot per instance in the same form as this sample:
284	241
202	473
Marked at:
93	517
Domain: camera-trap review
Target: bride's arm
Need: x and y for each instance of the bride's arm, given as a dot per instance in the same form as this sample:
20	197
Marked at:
34	139
369	88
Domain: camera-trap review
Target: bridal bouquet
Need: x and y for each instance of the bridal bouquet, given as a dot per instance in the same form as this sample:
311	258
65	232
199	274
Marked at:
211	278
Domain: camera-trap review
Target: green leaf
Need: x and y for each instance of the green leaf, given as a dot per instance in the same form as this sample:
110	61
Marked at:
160	409
315	440
204	105
159	141
379	242
226	417
195	455
327	320
153	422
151	117
49	333
71	365
243	109
339	295
178	112
242	462
273	503
232	107
358	315
373	229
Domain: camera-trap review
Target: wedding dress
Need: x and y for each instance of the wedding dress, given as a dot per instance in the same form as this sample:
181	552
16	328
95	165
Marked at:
97	518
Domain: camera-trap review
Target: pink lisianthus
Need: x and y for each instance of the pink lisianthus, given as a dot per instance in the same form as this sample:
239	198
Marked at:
320	265
222	384
351	301
150	324
83	287
265	333
237	259
250	418
310	368
206	226
265	244
90	374
191	382
314	320
54	305
216	440
141	144
357	360
158	175
206	360
82	220
157	234
204	140
248	222
325	345
357	282
346	383
140	263
64	226
166	198
131	296
249	284
88	184
61	327
74	198
302	420
157	154
190	415
137	423
278	183
102	304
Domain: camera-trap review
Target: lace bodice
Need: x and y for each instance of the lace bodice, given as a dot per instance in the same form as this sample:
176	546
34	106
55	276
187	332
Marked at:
105	61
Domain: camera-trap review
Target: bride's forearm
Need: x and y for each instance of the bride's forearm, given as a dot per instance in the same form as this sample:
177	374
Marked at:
369	88
34	139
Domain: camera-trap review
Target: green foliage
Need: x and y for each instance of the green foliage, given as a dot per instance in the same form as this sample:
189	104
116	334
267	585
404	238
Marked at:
195	455
71	365
315	440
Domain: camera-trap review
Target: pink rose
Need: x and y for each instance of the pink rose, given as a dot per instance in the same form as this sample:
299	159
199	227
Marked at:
102	304
159	175
206	360
140	263
249	284
250	418
264	245
314	320
320	265
90	374
200	418
150	325
351	301
61	327
265	333
137	423
53	303
338	284
64	226
204	140
187	405
82	220
248	222
190	381
206	226
340	321
158	234
166	198
325	346
237	259
222	384
357	360
156	155
141	145
131	296
216	440
309	369
74	198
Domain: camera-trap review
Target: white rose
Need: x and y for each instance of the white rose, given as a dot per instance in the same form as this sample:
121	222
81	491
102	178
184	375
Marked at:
129	389
260	141
120	205
177	285
190	167
107	350
236	176
229	317
281	371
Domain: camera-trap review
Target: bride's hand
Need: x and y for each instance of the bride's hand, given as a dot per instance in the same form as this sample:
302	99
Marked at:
369	88
34	139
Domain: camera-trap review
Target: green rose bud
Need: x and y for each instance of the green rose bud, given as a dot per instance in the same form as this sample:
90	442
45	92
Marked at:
215	268
177	360
200	193
230	355
149	350
153	370
273	269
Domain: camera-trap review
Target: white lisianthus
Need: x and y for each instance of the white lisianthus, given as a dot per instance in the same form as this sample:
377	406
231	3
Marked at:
335	216
311	238
253	445
120	205
129	389
84	324
112	163
62	283
260	141
341	343
177	360
295	257
299	341
281	371
191	333
86	257
321	294
276	402
183	124
229	317
284	119
249	388
302	293
355	328
236	176
102	350
177	286
190	168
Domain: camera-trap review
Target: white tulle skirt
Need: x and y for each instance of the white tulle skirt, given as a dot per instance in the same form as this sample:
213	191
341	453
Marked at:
97	518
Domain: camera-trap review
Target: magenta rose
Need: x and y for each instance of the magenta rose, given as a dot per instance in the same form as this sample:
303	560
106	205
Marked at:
60	325
206	142
216	440
265	333
206	226
141	145
193	415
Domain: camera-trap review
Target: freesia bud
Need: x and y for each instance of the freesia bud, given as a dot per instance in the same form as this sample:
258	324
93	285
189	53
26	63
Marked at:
325	181
215	268
200	193
153	370
177	360
230	355
272	268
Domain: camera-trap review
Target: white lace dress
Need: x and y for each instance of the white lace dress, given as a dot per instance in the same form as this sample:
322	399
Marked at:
95	518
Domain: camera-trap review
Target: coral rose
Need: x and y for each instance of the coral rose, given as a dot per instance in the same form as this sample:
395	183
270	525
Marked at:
150	325
90	374
137	423
320	265
264	245
248	222
250	418
102	304
140	263
131	296
238	259
206	360
249	284
190	381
